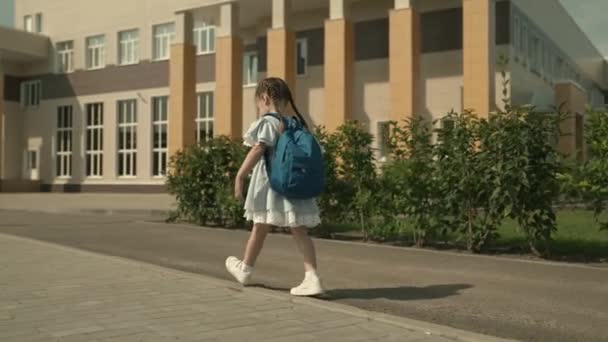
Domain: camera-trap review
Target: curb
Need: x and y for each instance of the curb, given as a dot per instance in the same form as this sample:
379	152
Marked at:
406	323
98	211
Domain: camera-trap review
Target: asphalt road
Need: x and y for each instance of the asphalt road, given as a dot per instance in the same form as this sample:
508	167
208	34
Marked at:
524	300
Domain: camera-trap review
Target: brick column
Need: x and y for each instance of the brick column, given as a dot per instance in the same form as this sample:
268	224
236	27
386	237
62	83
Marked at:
479	60
281	44
182	86
229	74
404	60
2	114
573	100
338	69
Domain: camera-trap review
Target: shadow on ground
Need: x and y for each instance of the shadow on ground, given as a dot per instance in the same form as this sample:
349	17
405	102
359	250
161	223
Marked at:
400	293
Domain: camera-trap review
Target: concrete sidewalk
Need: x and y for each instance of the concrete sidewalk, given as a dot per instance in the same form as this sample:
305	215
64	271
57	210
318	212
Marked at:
90	203
54	293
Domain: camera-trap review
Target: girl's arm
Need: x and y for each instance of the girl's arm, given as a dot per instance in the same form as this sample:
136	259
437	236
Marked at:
254	155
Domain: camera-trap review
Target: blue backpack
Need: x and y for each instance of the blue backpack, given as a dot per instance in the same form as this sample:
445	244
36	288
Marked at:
295	168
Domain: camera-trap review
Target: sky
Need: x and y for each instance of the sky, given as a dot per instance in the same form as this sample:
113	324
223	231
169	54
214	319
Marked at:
589	14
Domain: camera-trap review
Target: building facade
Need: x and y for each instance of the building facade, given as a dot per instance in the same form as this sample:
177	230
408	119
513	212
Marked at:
97	95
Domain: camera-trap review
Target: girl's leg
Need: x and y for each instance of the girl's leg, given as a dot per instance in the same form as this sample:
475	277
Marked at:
306	247
255	243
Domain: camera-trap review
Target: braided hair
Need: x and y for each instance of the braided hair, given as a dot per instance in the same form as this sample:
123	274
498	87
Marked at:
278	92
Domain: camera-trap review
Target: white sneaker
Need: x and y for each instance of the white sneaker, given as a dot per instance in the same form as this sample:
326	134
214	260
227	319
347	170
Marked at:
311	286
239	270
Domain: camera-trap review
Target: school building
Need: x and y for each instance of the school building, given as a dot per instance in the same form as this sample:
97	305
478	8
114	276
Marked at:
97	95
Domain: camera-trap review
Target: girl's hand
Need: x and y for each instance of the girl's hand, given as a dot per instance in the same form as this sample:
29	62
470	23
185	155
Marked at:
238	188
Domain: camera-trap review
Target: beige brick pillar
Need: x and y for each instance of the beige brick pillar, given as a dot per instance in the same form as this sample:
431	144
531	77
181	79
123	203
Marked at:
338	69
404	60
229	74
2	114
479	55
572	99
182	86
281	44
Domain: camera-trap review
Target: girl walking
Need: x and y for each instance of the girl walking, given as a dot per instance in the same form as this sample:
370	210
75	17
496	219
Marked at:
264	206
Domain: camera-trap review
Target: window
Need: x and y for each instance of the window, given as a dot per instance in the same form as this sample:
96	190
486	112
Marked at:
128	42
163	37
301	56
204	37
65	51
557	68
64	142
204	117
32	159
517	37
30	93
96	53
94	143
250	68
127	138
524	44
579	136
534	53
28	23
383	139
160	112
38	23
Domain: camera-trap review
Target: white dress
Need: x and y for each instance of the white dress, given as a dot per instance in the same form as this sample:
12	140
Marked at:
263	205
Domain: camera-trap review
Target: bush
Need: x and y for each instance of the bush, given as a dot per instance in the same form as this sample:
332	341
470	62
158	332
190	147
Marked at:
592	180
520	165
202	177
462	182
408	180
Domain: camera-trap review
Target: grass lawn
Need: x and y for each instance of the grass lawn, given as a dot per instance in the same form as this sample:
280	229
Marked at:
578	237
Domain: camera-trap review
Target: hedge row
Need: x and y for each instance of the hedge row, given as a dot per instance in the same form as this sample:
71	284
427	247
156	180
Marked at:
461	180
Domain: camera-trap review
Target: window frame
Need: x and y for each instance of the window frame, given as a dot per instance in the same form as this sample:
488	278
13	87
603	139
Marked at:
158	38
99	48
67	54
201	29
130	45
31	93
94	156
126	130
38	23
64	129
160	121
205	120
250	75
28	19
304	43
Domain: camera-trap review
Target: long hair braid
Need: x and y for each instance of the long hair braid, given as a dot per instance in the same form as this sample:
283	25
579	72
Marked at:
278	91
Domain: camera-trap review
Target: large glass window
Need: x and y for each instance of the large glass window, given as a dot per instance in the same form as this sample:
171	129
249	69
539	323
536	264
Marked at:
65	52
128	43
63	150
163	37
127	138
96	52
31	93
204	37
250	68
160	119
94	140
301	56
204	117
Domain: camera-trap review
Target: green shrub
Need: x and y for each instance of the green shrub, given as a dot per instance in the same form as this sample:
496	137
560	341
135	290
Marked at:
593	175
202	177
462	186
520	165
408	179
